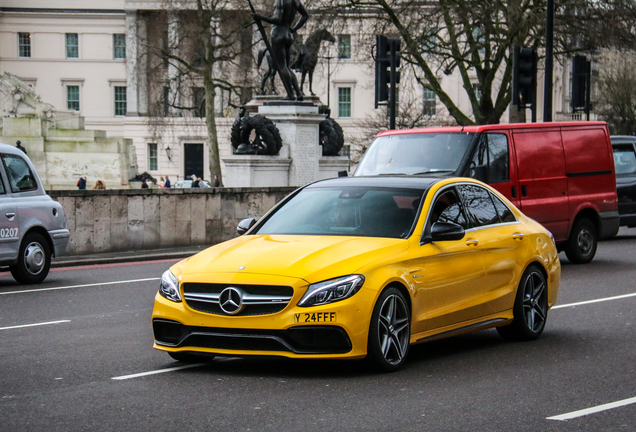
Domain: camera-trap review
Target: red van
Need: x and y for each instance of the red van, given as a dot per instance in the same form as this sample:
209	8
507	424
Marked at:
560	174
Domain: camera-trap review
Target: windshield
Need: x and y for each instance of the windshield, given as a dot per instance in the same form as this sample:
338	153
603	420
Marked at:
624	159
425	153
350	211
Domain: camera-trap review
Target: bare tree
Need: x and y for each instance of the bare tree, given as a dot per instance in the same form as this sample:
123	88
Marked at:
198	50
617	98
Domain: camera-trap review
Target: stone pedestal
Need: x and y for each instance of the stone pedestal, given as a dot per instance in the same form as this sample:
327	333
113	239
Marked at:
298	126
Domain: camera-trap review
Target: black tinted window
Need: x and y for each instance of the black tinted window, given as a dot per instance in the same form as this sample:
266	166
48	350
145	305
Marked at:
448	208
20	176
479	204
490	163
505	214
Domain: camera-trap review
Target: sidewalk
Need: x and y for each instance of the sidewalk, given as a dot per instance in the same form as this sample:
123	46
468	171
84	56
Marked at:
126	256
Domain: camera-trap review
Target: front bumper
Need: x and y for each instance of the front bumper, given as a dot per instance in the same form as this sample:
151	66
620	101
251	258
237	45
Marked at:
295	332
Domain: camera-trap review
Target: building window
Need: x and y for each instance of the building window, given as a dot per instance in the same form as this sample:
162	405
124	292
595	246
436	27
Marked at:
120	101
24	44
198	101
430	102
344	46
72	98
119	46
72	45
152	157
344	102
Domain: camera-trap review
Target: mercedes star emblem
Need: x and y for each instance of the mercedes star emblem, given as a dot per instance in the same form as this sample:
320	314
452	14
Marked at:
231	300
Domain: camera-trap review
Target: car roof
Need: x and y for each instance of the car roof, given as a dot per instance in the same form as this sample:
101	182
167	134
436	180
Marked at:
619	139
482	128
9	149
400	182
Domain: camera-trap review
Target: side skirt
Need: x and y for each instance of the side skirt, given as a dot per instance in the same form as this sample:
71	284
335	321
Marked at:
467	329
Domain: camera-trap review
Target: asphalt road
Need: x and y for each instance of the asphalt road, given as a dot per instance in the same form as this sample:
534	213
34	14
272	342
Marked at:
76	371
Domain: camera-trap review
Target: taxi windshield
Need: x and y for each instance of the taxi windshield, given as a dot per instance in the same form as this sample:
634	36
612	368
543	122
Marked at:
412	154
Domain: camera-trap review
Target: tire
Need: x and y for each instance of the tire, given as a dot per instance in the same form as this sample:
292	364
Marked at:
389	331
531	307
34	260
190	357
331	137
581	246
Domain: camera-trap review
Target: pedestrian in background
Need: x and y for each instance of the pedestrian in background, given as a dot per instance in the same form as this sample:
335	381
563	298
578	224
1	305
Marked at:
217	182
200	182
195	181
81	184
99	185
167	184
161	182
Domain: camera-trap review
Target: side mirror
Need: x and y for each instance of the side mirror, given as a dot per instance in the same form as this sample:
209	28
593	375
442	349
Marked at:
245	225
445	231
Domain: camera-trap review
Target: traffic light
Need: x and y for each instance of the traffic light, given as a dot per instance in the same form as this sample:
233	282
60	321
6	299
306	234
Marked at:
581	70
524	80
382	65
387	60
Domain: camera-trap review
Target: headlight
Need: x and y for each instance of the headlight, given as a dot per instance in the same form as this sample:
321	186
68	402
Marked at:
169	287
331	291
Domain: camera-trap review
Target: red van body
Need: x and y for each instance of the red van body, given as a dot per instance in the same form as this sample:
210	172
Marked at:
561	174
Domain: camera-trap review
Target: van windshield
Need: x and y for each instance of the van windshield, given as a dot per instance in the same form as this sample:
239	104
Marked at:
411	154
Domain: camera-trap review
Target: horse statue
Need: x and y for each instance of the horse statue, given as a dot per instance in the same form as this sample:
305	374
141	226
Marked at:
305	59
308	56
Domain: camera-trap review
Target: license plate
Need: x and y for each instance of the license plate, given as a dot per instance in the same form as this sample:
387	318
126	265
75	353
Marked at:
315	317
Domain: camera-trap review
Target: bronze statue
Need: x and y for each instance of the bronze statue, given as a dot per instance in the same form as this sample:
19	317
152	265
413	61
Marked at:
308	56
282	38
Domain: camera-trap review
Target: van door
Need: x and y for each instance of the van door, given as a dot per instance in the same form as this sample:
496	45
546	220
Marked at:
493	162
542	180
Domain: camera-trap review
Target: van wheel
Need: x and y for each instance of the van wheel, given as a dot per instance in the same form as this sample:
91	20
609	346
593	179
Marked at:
581	246
34	260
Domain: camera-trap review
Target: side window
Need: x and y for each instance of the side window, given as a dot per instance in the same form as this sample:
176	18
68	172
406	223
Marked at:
2	189
479	205
448	208
491	160
505	214
20	176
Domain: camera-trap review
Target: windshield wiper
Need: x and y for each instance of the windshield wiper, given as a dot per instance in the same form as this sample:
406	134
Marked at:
436	171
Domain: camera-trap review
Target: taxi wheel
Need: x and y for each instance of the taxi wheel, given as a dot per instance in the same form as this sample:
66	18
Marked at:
390	331
581	246
190	357
531	307
34	260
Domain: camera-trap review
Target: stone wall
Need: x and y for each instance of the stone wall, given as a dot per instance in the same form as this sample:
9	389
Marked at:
124	220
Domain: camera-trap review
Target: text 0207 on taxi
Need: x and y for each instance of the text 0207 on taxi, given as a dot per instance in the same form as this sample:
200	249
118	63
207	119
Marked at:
362	267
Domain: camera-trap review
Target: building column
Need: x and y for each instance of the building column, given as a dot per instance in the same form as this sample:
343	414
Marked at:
131	63
173	72
142	66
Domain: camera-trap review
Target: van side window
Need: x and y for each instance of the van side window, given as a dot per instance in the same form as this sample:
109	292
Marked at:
479	205
490	162
448	208
20	176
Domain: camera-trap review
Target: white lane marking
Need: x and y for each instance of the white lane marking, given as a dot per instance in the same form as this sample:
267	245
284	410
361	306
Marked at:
594	301
172	369
33	325
593	410
80	286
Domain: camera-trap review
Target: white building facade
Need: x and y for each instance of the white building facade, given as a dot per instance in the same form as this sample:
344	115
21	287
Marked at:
90	57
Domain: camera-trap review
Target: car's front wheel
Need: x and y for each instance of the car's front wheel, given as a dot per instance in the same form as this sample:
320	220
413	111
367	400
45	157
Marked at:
531	307
390	331
34	260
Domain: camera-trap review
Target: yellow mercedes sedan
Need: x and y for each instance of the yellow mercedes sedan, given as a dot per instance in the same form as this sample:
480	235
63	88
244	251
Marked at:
362	267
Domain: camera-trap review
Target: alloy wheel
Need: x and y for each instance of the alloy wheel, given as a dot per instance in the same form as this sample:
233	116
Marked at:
393	329
535	305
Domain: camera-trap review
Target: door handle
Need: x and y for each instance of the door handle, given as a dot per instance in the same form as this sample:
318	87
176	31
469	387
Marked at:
472	242
10	215
518	236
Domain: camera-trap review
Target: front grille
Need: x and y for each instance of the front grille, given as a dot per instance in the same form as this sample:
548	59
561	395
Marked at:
256	299
299	340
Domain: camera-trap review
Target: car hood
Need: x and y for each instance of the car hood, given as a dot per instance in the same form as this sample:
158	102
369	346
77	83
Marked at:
312	258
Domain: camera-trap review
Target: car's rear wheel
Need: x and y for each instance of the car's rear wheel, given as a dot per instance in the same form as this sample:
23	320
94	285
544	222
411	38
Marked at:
34	260
389	331
190	357
581	246
531	307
